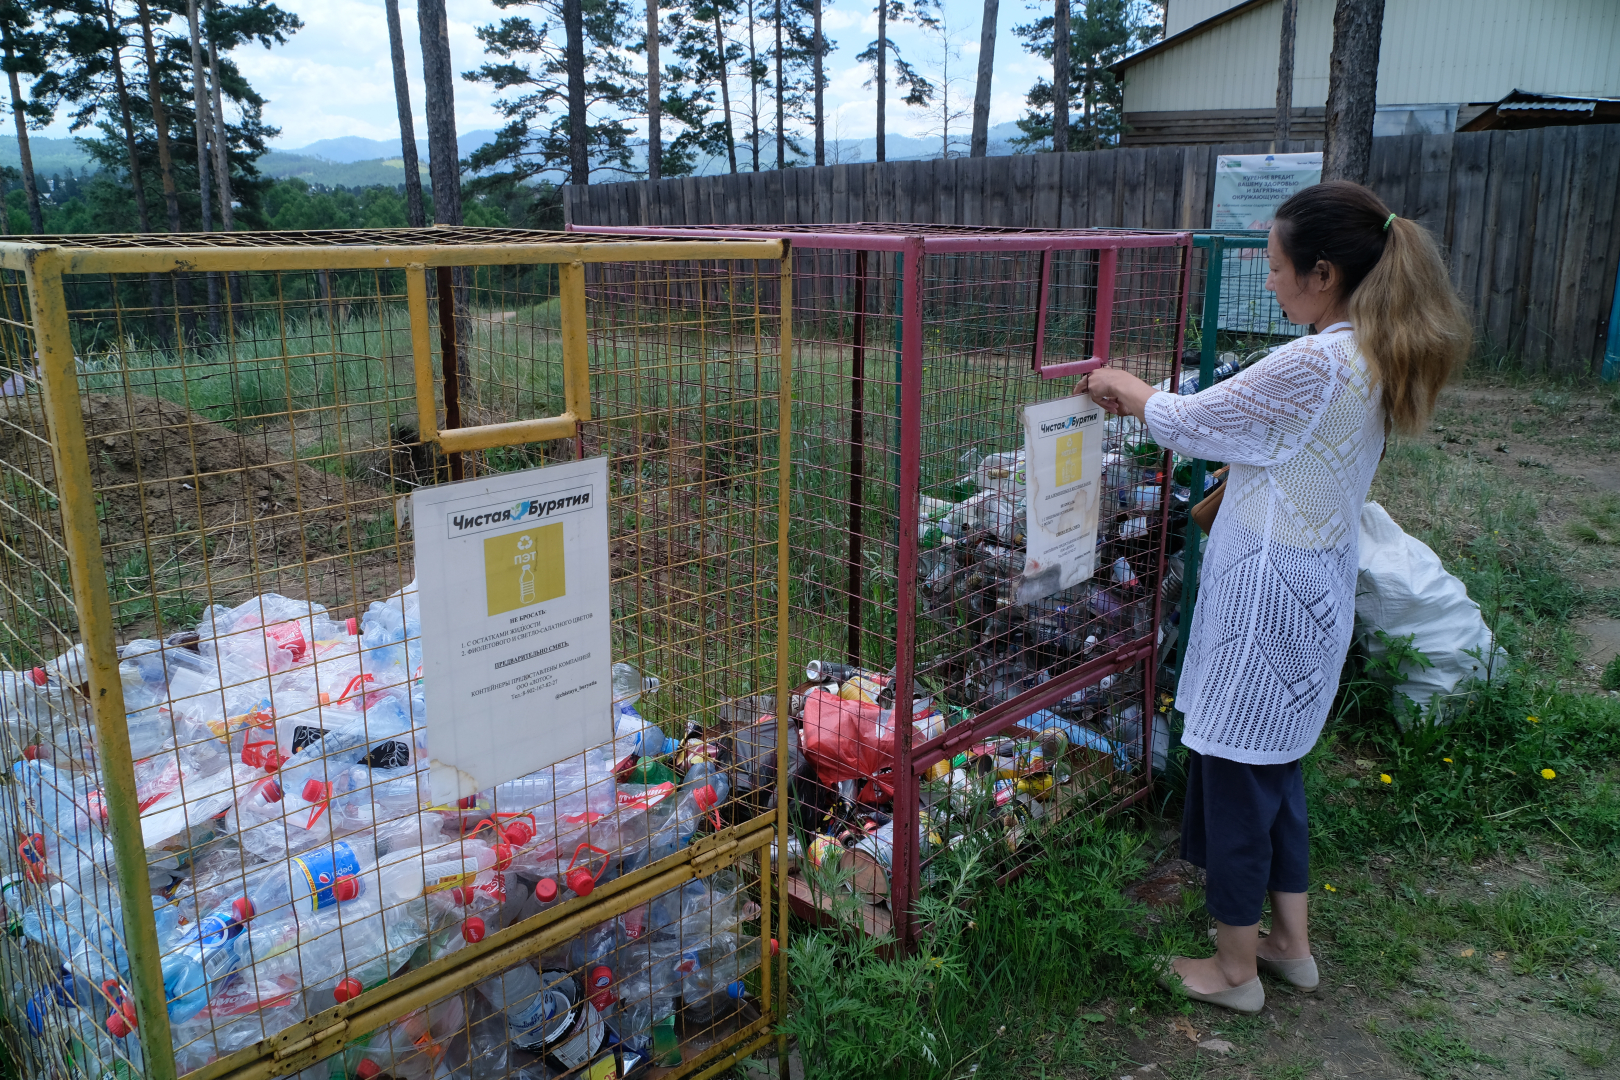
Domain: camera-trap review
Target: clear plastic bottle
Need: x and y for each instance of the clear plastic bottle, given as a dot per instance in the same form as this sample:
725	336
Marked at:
201	956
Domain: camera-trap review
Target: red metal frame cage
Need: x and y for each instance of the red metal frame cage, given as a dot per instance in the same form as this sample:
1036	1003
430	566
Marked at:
978	322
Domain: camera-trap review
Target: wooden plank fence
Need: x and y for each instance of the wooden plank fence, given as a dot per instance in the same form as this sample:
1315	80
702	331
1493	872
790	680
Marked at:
1528	218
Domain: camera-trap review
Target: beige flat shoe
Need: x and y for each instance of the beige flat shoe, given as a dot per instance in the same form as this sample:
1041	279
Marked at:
1250	997
1300	974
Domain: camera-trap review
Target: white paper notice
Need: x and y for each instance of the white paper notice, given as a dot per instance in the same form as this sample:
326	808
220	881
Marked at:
1063	468
513	575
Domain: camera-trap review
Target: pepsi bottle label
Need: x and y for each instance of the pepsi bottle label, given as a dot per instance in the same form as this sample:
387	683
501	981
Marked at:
322	868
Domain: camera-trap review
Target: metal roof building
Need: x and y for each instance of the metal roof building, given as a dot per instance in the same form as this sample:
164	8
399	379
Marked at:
1442	64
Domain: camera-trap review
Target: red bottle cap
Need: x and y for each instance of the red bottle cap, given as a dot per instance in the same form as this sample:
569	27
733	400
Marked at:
346	888
503	856
546	890
581	881
244	908
39	676
272	791
32	753
705	797
117	1027
352	625
347	989
366	1069
314	790
472	931
468	803
774	947
518	833
600	978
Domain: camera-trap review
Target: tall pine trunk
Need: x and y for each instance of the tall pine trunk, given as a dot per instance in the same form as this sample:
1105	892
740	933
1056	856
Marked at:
19	111
1060	76
725	89
171	194
438	84
1358	32
753	88
1351	89
781	94
882	79
414	213
579	148
222	158
136	183
1285	77
201	126
655	111
444	160
979	142
815	74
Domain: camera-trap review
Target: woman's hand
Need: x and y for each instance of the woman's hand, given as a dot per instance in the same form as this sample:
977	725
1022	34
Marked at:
1117	392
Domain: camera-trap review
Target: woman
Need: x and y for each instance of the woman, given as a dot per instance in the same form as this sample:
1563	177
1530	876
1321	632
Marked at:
1303	431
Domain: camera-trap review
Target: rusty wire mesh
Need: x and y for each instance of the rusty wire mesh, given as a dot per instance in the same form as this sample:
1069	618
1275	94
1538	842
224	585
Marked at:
252	444
990	761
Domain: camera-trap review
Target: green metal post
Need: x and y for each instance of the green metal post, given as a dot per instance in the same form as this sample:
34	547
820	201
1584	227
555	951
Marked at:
1191	554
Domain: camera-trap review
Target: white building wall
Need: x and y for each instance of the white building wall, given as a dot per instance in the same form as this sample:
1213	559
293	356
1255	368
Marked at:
1184	13
1433	51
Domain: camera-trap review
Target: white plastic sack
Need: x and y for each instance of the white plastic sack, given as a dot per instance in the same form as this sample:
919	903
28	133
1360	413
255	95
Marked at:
1403	589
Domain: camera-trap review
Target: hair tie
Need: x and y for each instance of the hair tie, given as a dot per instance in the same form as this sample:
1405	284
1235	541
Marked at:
1387	221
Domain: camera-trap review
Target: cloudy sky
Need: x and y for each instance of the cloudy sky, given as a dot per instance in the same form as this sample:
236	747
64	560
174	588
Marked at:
333	78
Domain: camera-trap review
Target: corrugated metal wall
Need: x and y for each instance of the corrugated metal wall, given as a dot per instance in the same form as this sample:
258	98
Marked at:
1433	51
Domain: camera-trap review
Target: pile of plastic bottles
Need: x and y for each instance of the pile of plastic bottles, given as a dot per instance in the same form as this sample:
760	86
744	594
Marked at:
296	858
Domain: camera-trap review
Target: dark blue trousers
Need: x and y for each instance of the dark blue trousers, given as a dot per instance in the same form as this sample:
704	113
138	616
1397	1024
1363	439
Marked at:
1245	825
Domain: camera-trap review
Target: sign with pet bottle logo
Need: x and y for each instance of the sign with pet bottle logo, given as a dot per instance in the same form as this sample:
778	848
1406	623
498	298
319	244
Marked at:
512	570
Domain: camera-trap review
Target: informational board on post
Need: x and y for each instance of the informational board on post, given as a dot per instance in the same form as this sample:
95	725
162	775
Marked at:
1063	471
512	571
1248	190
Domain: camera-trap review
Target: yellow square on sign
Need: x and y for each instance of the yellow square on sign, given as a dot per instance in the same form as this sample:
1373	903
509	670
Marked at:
1068	457
523	568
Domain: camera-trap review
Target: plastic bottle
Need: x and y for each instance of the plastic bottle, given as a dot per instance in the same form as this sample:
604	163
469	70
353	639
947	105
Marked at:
712	973
634	736
205	954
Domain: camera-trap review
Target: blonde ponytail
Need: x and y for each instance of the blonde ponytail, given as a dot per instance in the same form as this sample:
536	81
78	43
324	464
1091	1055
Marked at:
1411	326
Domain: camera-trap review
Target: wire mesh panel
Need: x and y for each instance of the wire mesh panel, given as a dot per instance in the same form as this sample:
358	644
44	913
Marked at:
916	350
224	856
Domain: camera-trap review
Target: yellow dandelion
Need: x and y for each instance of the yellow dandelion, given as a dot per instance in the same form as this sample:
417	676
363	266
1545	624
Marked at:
1446	760
1533	719
1328	888
1386	778
1548	774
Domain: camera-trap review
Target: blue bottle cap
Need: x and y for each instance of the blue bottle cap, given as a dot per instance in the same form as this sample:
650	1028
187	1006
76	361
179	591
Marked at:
736	990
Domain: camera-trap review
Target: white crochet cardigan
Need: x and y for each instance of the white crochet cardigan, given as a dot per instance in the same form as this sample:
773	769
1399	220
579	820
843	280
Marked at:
1303	430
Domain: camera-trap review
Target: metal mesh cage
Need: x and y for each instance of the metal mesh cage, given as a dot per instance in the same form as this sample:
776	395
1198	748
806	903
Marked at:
223	855
916	349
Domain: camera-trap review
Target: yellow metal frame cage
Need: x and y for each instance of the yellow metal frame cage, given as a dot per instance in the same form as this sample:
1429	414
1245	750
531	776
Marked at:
38	317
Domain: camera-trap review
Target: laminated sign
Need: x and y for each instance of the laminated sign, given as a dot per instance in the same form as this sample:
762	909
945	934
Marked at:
1063	470
512	571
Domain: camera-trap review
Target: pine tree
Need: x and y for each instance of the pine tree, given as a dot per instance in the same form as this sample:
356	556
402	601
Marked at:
1103	32
27	51
919	91
530	68
407	127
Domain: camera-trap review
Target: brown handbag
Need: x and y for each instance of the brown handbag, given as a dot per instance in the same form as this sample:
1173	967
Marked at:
1205	509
